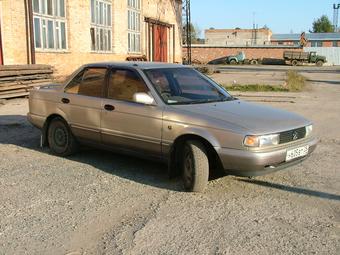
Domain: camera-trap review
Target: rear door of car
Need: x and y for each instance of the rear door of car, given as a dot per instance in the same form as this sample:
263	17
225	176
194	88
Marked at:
82	102
126	124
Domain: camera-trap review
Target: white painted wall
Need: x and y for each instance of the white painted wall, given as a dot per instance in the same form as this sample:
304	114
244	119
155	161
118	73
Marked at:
331	53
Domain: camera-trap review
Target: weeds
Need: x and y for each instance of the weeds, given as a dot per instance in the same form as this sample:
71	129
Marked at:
295	82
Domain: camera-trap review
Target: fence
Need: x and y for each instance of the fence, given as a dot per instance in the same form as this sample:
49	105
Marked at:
331	53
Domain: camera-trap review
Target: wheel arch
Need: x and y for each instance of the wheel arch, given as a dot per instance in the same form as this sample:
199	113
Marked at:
174	163
44	140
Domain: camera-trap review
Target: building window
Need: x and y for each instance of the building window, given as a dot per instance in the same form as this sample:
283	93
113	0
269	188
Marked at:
316	44
335	44
49	18
134	34
101	25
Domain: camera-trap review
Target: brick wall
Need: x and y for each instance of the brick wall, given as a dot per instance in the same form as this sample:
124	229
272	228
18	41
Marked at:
78	33
205	54
13	31
239	37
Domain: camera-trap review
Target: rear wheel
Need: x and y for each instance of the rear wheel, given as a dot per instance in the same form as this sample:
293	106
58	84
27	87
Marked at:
60	139
295	62
254	62
319	63
233	62
195	171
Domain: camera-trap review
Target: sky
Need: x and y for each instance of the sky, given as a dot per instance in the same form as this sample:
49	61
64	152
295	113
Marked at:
281	16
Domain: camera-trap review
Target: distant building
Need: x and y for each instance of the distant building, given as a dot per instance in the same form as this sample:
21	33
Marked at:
238	37
314	39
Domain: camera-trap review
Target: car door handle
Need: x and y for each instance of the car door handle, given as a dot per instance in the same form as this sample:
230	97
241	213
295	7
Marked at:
109	107
65	100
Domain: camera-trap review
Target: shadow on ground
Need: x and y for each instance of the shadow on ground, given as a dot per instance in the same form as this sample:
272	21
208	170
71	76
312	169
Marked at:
325	81
15	130
297	190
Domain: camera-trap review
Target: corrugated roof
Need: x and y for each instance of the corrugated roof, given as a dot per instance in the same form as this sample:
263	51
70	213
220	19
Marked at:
310	37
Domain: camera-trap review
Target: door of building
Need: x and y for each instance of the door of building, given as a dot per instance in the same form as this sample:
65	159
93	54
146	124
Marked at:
160	43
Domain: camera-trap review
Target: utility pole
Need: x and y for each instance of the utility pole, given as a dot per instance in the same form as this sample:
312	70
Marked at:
187	14
336	8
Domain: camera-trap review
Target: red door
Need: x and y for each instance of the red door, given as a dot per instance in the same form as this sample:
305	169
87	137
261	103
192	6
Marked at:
160	43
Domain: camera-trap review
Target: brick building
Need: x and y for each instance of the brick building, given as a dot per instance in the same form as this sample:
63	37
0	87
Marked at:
68	33
237	37
314	39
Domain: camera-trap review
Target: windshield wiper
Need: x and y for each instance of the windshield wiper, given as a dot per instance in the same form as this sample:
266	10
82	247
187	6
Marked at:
205	101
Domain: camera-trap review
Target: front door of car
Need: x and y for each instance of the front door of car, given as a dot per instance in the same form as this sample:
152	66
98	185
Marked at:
82	103
126	124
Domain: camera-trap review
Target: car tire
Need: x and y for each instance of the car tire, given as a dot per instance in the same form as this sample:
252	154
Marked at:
60	138
254	62
233	62
319	63
295	62
195	167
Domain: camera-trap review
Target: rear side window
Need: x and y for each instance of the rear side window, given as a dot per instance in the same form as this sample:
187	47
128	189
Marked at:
88	83
123	84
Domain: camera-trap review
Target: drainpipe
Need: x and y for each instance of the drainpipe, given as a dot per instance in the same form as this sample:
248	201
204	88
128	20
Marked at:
27	35
31	33
173	44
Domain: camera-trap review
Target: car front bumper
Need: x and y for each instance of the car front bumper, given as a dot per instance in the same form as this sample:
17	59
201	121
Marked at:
254	163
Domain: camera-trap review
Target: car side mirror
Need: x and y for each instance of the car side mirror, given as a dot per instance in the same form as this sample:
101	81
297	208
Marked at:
143	98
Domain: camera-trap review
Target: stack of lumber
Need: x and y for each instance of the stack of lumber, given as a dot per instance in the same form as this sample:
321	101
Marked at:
17	80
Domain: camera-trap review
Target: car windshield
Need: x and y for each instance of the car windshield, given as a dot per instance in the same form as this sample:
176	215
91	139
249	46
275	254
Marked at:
185	86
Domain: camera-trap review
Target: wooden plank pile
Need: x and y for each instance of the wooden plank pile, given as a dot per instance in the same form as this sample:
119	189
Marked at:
17	80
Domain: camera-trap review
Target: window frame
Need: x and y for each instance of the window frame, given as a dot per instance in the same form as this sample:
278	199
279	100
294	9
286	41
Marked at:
82	72
317	44
55	18
109	75
134	19
98	24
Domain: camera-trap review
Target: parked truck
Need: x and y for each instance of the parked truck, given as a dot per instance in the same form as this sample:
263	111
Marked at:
239	58
298	58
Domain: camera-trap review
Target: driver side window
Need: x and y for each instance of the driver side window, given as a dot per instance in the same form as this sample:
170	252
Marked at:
123	84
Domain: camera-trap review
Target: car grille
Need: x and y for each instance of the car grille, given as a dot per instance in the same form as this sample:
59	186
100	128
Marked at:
292	135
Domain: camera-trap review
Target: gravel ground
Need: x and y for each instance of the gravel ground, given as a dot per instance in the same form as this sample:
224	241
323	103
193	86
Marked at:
100	203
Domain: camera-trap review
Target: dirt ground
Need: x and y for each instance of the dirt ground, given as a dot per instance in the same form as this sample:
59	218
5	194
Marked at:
101	203
272	75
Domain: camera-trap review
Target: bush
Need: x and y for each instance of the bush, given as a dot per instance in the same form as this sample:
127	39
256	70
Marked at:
295	82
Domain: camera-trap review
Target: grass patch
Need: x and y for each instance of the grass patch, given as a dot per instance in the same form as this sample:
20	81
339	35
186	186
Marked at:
295	82
256	88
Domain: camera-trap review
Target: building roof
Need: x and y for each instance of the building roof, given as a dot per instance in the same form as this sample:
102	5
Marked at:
265	30
309	36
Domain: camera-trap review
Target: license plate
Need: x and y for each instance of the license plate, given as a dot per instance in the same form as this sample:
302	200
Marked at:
297	153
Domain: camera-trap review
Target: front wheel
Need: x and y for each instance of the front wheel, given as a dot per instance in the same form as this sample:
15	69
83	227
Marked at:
233	62
319	63
60	139
195	167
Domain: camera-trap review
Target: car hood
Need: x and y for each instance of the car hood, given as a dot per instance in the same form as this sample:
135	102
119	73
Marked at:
258	119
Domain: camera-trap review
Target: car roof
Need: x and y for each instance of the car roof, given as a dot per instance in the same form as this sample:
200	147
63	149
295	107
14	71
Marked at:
135	64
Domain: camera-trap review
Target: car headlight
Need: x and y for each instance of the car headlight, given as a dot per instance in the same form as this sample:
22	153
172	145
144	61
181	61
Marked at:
261	140
309	130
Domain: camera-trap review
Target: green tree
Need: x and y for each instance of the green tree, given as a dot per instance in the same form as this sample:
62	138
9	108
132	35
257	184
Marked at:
322	25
